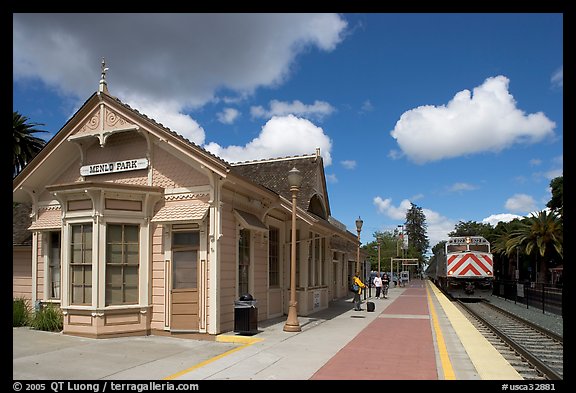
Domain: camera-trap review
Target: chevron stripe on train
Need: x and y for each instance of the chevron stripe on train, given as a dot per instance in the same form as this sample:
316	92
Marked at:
470	265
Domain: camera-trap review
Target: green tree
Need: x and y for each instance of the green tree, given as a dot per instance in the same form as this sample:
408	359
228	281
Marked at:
388	245
415	227
540	235
472	228
556	203
25	145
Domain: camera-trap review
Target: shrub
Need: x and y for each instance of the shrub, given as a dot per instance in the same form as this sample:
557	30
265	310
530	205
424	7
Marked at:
48	318
20	312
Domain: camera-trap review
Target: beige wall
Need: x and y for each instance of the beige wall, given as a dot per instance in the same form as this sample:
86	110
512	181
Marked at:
158	292
22	272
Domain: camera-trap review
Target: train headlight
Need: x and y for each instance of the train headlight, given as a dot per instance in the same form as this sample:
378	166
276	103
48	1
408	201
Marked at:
450	272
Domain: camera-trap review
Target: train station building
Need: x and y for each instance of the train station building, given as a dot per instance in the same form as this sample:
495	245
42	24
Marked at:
134	230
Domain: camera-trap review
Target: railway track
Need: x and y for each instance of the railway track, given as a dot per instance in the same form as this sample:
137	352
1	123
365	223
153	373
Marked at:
535	353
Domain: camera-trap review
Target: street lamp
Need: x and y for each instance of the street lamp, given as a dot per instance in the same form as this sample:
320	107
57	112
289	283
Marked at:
379	241
359	223
292	324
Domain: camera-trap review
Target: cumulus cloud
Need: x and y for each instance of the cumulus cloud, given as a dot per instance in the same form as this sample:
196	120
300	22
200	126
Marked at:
520	203
228	115
486	120
318	110
178	61
494	219
168	114
280	137
438	226
386	207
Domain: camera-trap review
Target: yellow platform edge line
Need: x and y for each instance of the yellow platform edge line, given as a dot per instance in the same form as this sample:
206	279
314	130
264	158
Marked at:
489	363
447	368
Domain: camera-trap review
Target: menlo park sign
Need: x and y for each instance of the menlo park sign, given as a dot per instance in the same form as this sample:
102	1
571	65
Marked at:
112	167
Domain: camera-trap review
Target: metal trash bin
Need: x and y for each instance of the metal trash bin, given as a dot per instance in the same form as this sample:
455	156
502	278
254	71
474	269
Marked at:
246	315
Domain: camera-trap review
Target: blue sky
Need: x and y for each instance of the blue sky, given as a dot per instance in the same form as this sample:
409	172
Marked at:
460	114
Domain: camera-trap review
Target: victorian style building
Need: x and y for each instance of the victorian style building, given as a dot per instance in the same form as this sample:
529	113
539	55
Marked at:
132	229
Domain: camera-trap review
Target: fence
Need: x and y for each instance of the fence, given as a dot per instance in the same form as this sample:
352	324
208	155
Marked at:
545	297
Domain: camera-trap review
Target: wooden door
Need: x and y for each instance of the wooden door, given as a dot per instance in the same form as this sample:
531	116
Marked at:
184	292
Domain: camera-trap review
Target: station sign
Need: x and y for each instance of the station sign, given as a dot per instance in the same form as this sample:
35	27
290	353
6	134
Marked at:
113	167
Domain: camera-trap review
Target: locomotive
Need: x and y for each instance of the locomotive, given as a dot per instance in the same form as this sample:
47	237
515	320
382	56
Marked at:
464	268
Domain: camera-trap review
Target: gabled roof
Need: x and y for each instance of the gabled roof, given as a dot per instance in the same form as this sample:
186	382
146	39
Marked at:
273	174
57	153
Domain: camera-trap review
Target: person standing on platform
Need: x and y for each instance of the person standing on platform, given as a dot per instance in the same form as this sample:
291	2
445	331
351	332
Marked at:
356	281
378	284
385	285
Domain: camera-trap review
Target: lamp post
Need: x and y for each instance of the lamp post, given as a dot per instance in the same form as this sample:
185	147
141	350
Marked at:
359	223
516	276
292	324
378	241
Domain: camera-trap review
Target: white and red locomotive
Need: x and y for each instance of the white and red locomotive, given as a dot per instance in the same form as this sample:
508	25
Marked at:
464	268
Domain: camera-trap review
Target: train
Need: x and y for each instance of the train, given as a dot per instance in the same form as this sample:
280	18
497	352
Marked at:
464	268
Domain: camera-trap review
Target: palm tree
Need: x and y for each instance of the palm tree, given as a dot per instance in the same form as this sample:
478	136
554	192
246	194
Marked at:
541	235
24	145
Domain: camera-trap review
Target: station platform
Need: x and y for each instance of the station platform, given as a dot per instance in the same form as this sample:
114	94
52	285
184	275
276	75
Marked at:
417	335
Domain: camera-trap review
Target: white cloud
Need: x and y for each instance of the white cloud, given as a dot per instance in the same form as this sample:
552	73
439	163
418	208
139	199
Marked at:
385	207
494	219
348	164
458	187
557	78
438	226
170	117
487	120
280	137
228	115
318	110
178	61
520	203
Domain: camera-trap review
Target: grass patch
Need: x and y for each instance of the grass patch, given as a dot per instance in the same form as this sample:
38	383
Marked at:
48	318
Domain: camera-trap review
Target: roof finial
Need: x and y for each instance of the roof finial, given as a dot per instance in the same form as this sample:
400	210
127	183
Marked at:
103	85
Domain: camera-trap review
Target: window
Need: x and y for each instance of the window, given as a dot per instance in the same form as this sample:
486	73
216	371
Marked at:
122	263
274	257
54	265
185	246
315	260
243	262
81	264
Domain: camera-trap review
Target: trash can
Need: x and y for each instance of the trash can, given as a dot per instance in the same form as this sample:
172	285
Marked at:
245	315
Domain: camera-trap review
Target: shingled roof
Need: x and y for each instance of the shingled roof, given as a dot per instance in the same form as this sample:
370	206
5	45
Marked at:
273	174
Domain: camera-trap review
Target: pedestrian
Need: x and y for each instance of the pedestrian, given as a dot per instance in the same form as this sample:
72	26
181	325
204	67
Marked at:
378	284
357	282
385	285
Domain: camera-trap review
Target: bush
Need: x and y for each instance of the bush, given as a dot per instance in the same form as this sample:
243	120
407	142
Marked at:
20	312
48	318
